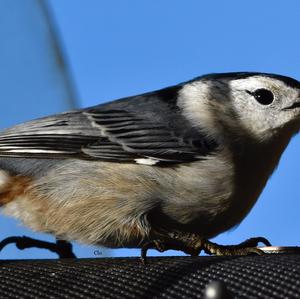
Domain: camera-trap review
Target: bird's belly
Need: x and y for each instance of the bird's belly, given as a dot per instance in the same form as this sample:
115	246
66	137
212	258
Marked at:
118	206
212	197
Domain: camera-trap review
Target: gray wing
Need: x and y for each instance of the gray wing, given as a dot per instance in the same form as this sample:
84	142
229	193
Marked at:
110	132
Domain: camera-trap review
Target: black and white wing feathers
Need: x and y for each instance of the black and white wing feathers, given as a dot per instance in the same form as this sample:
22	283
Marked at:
146	129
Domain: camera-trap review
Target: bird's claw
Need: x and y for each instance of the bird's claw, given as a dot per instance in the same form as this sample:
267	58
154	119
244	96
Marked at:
197	243
155	244
193	244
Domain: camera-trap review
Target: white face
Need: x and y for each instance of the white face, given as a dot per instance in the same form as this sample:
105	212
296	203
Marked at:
257	105
265	105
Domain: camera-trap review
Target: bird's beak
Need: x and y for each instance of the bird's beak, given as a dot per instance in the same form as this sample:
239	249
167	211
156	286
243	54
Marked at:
294	105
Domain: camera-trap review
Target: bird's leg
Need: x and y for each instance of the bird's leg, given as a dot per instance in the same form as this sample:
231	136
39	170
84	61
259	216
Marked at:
194	244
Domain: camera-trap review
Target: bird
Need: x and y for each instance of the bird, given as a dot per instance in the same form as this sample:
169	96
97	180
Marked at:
167	169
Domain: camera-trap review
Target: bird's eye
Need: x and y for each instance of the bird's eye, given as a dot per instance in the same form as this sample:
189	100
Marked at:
262	96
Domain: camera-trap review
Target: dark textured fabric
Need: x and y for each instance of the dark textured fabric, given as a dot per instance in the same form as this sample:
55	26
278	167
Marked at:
269	276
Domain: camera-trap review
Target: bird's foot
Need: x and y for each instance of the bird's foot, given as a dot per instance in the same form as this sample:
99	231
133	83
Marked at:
194	244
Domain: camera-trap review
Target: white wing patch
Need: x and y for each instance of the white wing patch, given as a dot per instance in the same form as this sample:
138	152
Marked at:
146	161
33	151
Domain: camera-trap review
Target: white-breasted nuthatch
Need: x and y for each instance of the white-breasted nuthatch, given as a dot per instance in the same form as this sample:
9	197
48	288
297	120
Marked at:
170	168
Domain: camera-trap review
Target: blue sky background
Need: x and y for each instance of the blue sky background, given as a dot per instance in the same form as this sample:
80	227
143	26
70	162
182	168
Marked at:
117	48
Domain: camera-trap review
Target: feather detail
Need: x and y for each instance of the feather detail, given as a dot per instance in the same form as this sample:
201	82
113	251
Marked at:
145	129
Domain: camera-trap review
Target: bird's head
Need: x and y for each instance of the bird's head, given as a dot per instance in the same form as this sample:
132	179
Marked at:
258	104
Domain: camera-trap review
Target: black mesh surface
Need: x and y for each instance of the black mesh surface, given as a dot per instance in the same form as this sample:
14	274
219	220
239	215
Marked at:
268	276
